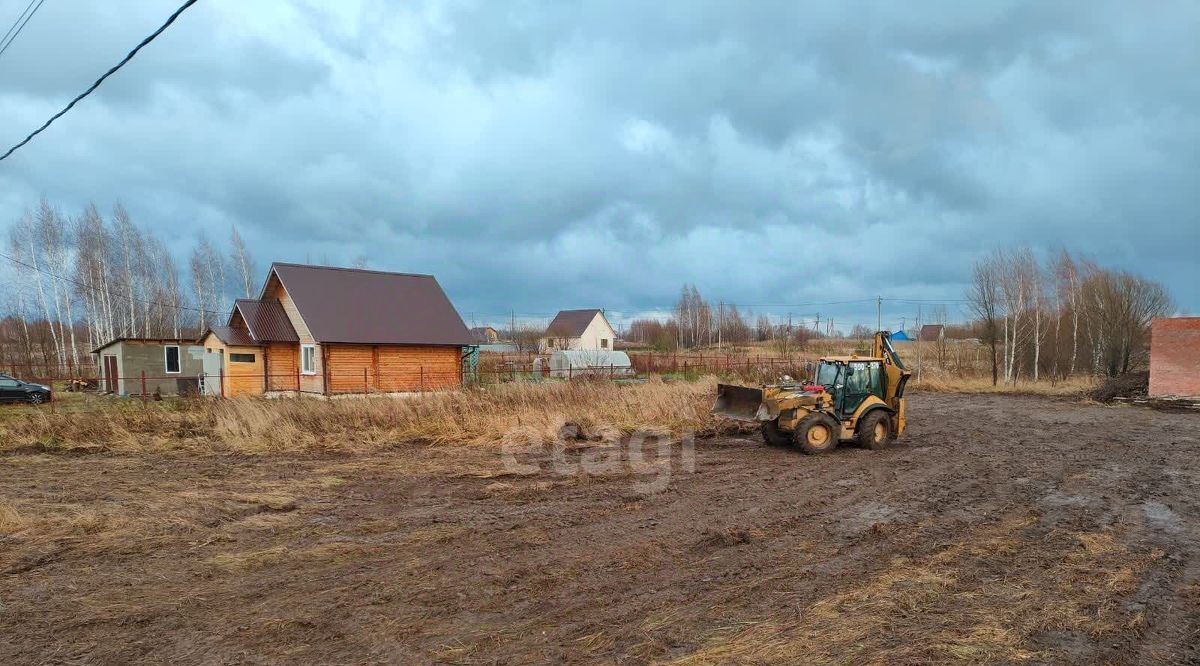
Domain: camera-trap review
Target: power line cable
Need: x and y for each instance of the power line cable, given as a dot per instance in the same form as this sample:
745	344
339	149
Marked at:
100	80
19	29
16	22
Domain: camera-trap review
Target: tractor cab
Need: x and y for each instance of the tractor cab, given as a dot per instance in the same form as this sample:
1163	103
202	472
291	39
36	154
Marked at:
851	380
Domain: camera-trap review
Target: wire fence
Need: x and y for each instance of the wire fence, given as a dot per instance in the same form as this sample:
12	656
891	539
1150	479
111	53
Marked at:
418	379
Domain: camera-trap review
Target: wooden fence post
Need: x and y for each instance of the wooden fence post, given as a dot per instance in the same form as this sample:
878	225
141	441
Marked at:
366	385
221	375
422	385
143	386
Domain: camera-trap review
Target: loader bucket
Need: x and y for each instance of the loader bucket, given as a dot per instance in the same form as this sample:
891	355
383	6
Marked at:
740	403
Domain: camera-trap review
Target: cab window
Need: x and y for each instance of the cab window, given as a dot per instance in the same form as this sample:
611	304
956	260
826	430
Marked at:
827	374
866	378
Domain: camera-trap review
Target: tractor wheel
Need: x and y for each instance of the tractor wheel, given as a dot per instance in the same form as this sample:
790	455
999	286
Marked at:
876	431
773	436
817	433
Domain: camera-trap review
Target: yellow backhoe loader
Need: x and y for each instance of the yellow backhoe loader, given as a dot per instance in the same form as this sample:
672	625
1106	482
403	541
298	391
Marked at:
851	398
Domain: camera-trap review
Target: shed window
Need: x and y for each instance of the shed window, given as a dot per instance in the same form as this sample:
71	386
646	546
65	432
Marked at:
308	359
241	358
171	354
604	343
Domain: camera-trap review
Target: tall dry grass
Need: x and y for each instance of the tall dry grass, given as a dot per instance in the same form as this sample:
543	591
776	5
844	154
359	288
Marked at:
481	416
476	416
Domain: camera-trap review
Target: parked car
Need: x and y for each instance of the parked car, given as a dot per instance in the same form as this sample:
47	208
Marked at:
15	390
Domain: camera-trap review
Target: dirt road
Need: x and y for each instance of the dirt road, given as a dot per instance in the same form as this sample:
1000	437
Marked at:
1001	529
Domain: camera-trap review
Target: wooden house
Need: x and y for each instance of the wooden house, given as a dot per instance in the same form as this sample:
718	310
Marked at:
324	330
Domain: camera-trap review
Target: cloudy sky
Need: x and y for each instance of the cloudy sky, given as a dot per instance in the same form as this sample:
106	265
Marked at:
539	155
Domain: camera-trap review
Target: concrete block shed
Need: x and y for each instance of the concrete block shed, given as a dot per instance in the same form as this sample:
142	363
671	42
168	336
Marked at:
170	366
1175	357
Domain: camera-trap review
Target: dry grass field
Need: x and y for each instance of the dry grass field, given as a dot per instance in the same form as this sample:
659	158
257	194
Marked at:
1001	529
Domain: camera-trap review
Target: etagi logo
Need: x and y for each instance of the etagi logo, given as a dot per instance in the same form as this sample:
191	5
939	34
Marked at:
649	457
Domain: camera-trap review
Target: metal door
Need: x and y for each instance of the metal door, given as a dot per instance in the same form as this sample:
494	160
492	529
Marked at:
212	372
110	374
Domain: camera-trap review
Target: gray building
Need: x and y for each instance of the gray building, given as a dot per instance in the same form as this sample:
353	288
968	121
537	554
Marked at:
133	366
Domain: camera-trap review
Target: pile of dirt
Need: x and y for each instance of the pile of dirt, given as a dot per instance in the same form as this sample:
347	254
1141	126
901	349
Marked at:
1128	385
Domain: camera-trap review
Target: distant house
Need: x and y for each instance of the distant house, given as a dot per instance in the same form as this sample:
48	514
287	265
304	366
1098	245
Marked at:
318	329
143	366
578	330
933	333
485	335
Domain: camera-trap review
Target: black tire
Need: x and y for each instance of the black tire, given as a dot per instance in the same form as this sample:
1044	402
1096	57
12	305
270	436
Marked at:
817	433
773	436
36	398
876	430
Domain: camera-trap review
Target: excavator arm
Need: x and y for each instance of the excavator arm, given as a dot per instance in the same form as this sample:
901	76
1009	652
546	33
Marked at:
897	376
883	349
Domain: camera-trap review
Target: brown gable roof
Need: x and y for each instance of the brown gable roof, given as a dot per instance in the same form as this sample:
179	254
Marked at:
931	332
235	337
571	323
266	320
372	307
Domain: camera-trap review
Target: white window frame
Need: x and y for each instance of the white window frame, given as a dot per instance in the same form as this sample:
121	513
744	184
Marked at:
178	359
303	370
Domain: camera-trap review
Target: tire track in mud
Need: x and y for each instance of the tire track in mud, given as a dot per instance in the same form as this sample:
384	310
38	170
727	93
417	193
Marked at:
451	560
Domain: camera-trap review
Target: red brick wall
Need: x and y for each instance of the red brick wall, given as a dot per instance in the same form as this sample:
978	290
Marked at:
1175	356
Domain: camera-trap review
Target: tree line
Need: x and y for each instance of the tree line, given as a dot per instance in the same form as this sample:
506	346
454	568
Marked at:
1051	318
77	282
695	322
1062	316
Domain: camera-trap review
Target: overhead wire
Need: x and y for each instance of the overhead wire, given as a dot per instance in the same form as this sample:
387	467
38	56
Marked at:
6	42
129	56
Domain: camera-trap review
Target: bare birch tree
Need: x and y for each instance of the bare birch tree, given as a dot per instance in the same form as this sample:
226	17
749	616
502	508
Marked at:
242	263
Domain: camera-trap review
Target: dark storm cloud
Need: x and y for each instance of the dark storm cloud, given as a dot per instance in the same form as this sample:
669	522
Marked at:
545	155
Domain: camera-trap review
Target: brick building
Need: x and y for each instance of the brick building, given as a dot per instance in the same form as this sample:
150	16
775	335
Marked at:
1175	356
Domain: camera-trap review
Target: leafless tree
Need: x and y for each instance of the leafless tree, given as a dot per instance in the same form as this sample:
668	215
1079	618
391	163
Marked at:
242	263
985	302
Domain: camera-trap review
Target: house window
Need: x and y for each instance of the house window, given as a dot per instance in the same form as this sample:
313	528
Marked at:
171	355
241	358
308	359
604	343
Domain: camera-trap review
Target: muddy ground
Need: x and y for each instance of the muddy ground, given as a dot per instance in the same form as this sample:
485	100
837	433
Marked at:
1001	529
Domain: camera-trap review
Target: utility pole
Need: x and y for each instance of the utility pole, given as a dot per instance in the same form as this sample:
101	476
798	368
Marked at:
918	343
878	313
817	327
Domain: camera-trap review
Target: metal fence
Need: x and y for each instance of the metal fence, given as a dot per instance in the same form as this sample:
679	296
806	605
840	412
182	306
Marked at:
501	369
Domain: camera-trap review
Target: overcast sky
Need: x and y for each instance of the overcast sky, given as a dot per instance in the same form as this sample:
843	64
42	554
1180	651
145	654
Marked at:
537	156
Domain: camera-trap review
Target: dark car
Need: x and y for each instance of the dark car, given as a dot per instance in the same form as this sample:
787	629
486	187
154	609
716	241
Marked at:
15	390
